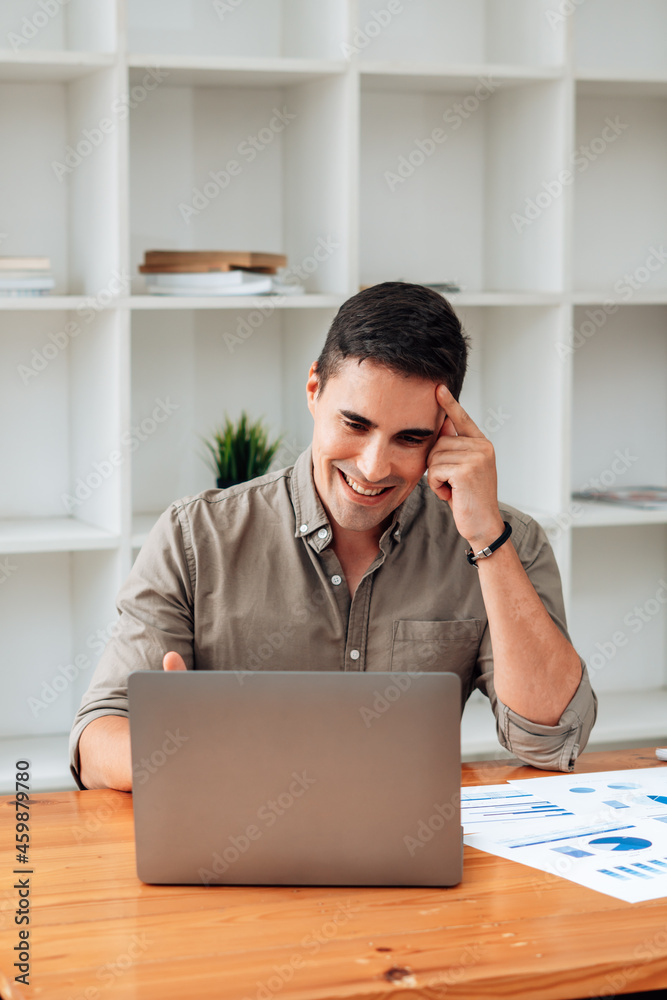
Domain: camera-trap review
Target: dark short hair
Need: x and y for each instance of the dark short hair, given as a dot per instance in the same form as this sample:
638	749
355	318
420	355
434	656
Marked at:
410	329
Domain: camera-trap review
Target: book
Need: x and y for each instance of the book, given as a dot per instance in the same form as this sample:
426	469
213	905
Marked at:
17	283
201	269
261	285
213	258
24	264
203	279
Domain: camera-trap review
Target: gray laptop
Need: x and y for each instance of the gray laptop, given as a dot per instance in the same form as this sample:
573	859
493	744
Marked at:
296	777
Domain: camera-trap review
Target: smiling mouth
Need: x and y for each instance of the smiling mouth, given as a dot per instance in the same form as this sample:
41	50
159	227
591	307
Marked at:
360	489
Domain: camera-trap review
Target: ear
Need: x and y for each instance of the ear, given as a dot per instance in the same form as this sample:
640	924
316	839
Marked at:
312	387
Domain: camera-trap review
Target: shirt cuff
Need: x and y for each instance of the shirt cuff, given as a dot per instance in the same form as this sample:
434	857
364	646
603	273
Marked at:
552	748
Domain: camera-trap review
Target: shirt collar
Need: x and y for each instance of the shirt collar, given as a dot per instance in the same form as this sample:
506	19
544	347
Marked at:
310	517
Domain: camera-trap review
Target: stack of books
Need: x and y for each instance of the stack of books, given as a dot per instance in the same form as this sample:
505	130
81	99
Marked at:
25	276
214	272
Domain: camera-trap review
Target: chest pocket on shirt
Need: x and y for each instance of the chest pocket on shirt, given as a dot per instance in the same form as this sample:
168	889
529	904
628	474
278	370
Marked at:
452	645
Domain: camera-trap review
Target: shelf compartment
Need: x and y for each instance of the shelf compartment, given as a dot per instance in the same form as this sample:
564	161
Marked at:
200	156
619	598
46	670
64	457
620	146
522	416
53	534
619	402
59	26
65	138
615	37
440	175
254	28
202	363
458	31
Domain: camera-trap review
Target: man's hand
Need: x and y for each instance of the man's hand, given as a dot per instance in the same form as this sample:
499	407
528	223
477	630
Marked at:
173	661
462	471
536	670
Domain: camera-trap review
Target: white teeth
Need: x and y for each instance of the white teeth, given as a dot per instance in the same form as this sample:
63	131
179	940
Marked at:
358	489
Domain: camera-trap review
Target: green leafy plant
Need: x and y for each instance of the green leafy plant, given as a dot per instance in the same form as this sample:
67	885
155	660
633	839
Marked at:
240	451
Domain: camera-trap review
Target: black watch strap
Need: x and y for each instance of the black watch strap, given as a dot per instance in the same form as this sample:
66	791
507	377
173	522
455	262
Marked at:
489	549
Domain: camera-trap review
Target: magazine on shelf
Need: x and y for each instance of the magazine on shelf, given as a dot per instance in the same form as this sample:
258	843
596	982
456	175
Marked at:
641	497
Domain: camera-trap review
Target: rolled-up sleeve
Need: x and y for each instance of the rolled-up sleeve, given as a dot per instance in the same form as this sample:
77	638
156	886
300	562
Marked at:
548	747
155	606
553	748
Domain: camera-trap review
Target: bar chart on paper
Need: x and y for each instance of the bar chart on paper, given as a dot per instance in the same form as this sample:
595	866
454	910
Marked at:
608	833
503	803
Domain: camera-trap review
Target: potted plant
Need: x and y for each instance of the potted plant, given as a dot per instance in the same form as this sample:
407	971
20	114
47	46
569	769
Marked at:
240	451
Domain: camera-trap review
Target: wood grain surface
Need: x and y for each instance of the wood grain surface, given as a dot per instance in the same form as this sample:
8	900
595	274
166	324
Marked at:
98	933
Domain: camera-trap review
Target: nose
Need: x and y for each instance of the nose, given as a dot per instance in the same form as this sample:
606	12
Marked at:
374	461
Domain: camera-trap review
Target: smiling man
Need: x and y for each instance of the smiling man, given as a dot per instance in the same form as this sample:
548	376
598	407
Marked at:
354	559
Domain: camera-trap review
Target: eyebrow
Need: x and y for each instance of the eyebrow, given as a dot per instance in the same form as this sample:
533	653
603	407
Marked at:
412	431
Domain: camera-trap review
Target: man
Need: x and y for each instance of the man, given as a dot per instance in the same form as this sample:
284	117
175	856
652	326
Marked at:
352	560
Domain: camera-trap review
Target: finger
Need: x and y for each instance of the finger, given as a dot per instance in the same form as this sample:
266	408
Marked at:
462	423
173	661
448	429
456	443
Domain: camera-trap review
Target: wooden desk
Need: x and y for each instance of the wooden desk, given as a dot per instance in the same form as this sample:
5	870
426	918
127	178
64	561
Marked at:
98	933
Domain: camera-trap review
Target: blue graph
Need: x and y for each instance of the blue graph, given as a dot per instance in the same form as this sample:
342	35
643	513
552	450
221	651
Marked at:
573	852
620	843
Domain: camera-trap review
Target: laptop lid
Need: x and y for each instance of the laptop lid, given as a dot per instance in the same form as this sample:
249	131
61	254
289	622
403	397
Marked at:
296	777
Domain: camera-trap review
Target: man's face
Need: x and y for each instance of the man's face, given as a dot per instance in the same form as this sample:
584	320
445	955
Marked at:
374	429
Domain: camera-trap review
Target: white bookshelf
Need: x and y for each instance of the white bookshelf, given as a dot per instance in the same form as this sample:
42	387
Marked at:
560	383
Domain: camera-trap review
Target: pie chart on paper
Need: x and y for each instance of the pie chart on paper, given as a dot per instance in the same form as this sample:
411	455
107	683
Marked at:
620	843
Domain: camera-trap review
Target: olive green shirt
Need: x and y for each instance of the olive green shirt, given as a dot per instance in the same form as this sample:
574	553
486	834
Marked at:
246	579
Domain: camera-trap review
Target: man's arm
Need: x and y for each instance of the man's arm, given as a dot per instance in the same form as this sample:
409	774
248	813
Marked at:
523	635
536	669
105	759
104	753
155	606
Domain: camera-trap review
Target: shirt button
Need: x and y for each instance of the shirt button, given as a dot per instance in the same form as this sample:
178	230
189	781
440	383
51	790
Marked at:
303	529
336	580
397	535
322	533
354	654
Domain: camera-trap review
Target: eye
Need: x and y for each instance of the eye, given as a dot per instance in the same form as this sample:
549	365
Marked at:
353	426
413	440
